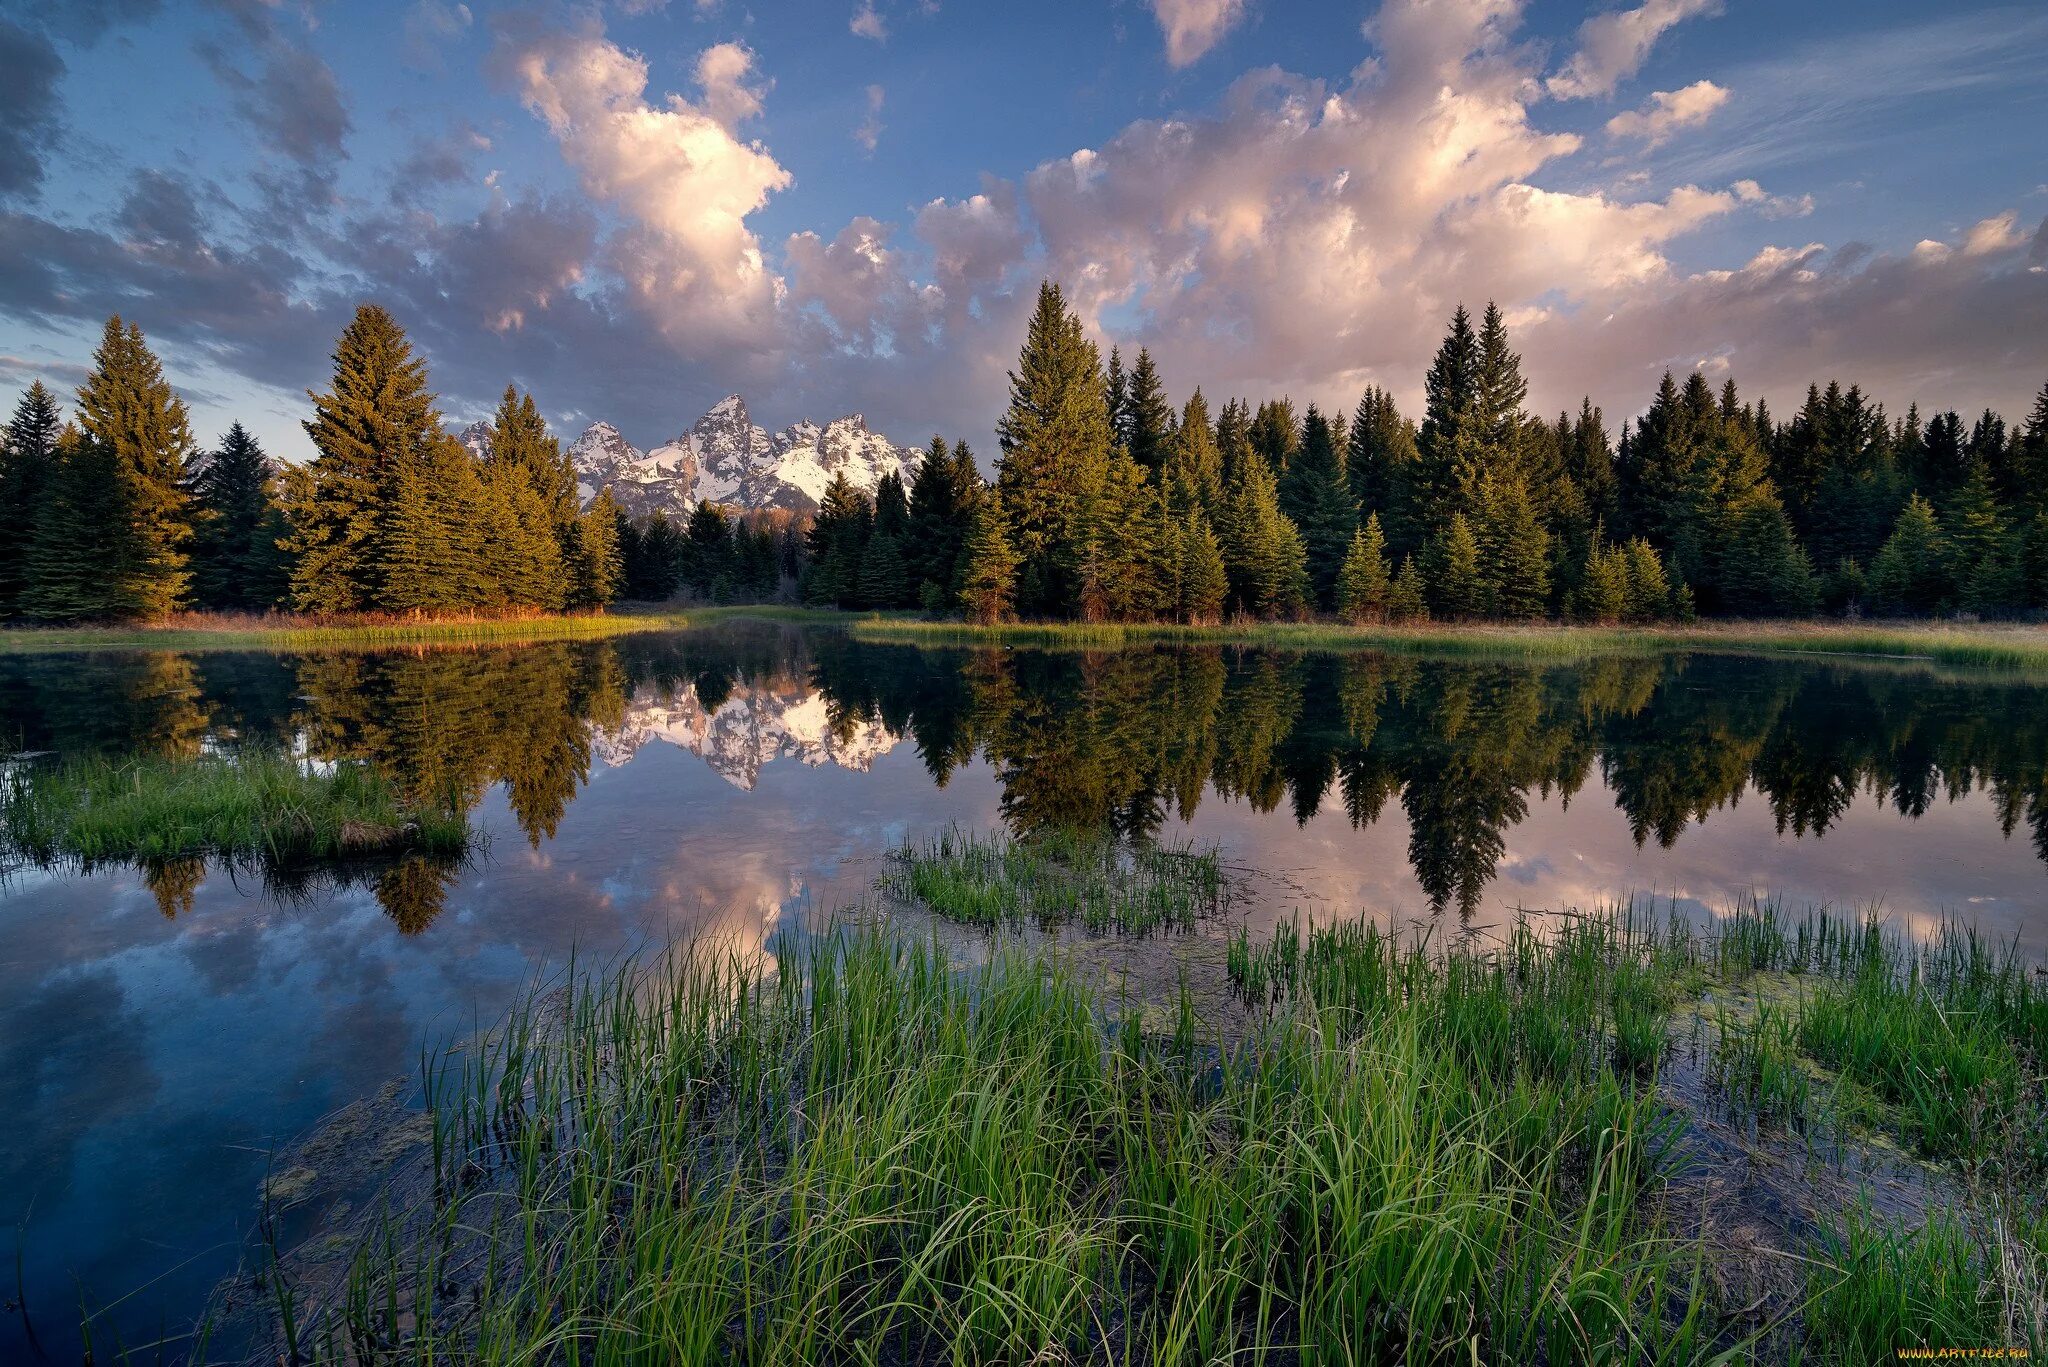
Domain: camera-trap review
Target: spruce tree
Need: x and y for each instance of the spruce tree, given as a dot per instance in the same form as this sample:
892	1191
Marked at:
1406	601
1499	393
1262	550
531	487
884	581
67	577
1603	589
594	569
938	518
1314	495
707	548
373	433
1194	465
1380	464
1514	552
1650	593
1456	589
1120	564
988	565
128	407
1764	571
28	457
1149	418
1056	444
1911	573
1117	395
1364	586
1201	582
236	563
837	539
1275	434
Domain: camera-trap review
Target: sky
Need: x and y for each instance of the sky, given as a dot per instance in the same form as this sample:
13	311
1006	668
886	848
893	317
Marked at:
634	207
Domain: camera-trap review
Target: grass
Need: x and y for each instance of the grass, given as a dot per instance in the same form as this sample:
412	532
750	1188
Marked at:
873	1156
268	806
200	631
1055	878
1997	647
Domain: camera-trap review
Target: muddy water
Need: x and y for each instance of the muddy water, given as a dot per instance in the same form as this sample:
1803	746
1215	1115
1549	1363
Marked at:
165	1031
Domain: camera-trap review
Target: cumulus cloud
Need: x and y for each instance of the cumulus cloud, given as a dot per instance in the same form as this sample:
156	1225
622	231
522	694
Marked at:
867	22
676	169
28	107
1613	46
1667	112
1192	27
868	132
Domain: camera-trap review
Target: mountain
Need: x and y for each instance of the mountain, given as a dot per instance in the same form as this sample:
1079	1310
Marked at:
643	483
754	725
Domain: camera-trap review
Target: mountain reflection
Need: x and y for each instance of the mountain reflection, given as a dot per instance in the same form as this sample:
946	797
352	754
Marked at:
1122	741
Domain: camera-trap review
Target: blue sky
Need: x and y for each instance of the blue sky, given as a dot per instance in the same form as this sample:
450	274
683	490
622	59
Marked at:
635	207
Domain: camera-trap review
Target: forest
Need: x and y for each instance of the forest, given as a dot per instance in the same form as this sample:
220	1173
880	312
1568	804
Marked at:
1108	504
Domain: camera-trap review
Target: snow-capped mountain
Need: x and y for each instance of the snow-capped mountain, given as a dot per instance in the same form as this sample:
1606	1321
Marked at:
477	437
752	727
643	483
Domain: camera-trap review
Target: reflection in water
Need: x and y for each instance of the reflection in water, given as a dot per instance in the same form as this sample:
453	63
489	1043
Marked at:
166	1025
1122	740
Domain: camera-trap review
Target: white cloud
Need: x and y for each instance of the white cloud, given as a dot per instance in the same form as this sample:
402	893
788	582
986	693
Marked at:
867	22
676	170
1192	27
868	132
1613	46
1667	112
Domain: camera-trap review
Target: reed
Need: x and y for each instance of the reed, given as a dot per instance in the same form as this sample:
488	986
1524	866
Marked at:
204	631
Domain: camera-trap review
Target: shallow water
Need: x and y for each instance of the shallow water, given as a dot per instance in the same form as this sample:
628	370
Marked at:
163	1030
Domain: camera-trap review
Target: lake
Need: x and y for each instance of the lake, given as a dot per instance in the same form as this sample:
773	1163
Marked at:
162	1030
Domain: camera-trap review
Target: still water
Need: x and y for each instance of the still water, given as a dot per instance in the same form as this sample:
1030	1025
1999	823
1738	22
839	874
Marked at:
162	1030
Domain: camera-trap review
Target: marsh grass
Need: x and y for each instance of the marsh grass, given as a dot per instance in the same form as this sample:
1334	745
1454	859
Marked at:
874	1156
1992	647
263	805
202	631
1054	878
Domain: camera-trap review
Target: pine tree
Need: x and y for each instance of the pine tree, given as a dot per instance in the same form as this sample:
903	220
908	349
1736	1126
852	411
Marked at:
127	406
1650	592
372	431
1406	602
1911	573
1056	444
938	516
1201	582
1456	589
1764	571
1118	573
1150	417
1275	434
706	551
28	457
1194	466
1499	394
1116	394
1313	494
1380	464
988	566
84	497
433	527
1364	587
836	542
884	582
594	569
1514	552
531	485
236	563
1603	591
1262	550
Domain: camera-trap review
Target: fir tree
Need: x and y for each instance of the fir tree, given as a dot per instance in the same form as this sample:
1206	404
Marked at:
1451	450
1911	573
1056	444
128	407
1275	434
1456	589
1764	571
28	457
884	582
532	486
84	496
836	542
1604	587
1364	587
1313	494
1148	417
1262	550
1194	467
1116	394
236	563
938	517
1498	396
988	565
1201	582
1380	463
594	568
707	548
1650	593
1406	601
1514	551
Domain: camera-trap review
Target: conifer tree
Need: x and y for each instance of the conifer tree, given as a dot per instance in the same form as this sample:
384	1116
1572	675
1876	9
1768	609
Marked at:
1604	587
1456	589
373	432
1650	593
1201	582
1117	394
236	563
707	548
1380	463
1514	551
84	496
1149	418
1406	601
1056	444
1314	495
988	565
530	488
28	456
432	538
1275	434
594	568
884	582
1450	451
1117	575
1764	571
1364	587
938	516
128	407
836	542
1194	467
1262	550
1499	393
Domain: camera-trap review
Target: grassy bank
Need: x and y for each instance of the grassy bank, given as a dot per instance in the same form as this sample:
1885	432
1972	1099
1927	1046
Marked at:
2000	647
194	631
1384	1151
262	806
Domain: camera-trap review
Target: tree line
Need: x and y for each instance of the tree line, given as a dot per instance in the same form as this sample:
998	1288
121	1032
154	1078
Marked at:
116	514
1111	504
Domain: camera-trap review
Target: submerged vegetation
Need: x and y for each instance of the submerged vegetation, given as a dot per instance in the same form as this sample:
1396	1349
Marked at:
1388	1150
264	806
1060	878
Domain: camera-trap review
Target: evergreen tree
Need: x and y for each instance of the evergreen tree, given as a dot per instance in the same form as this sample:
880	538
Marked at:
1380	464
1275	434
1911	573
892	508
651	559
1514	550
1117	394
884	581
1456	589
1148	417
1499	394
531	486
1450	452
706	552
1201	584
434	526
1262	551
938	523
1650	593
594	568
837	541
1194	467
1406	602
1604	587
1364	587
128	407
1764	571
84	496
28	457
1313	494
236	563
374	433
988	565
1056	443
1119	570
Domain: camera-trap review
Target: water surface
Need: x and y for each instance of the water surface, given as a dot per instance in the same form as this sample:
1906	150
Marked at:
162	1029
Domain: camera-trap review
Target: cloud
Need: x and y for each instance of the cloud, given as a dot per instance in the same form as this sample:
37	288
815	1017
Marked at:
28	107
1667	112
1193	27
676	170
868	132
868	23
429	25
1613	46
87	21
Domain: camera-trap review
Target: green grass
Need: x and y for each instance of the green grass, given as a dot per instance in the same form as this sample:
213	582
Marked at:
1056	878
870	1156
267	806
1996	647
195	632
